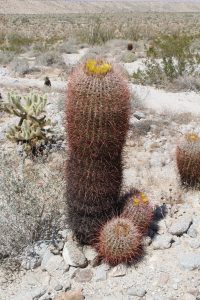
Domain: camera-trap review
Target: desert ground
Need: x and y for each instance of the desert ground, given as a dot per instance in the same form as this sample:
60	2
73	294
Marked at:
39	258
92	6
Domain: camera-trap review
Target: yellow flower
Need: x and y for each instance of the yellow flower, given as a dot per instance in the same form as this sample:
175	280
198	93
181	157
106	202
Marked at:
136	201
144	198
97	67
192	137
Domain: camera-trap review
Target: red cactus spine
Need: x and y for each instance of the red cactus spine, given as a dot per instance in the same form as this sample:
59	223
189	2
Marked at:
98	109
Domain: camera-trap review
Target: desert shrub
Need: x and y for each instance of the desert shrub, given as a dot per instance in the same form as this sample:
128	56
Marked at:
16	43
153	74
50	58
69	46
185	83
96	32
117	43
6	57
31	204
133	31
168	58
128	57
20	66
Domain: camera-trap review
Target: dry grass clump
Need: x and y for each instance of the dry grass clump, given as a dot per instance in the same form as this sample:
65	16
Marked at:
50	58
69	46
20	66
6	57
31	203
96	31
185	83
128	57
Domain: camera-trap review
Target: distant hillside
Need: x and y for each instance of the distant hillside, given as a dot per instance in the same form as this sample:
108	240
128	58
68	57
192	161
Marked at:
91	6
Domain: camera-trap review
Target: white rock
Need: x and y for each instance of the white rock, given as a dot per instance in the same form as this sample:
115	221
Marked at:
73	255
118	271
194	243
162	242
90	253
101	272
53	264
189	260
136	291
30	263
38	292
180	225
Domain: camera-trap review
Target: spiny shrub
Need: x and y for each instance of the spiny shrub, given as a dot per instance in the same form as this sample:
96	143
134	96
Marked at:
138	209
97	112
119	241
188	159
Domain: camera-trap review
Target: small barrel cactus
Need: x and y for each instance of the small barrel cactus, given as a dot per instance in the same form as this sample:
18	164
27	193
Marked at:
188	159
138	209
119	241
97	113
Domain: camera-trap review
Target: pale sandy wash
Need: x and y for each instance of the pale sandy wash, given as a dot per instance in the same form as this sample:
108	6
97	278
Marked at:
92	6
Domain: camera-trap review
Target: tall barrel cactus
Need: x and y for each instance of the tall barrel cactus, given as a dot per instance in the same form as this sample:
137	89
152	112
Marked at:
188	159
97	111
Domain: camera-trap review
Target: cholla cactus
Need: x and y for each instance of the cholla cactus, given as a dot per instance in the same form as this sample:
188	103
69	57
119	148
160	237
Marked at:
31	107
188	159
28	131
31	128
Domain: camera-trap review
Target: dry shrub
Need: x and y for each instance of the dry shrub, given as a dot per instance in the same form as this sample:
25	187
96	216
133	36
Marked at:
185	83
69	46
31	203
19	66
50	58
5	57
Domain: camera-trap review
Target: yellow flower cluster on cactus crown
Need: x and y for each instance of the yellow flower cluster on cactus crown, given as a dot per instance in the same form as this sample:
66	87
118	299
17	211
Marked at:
136	201
142	198
192	137
97	67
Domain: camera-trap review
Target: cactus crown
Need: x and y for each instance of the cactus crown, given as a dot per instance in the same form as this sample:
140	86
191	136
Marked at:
192	137
97	67
121	229
140	199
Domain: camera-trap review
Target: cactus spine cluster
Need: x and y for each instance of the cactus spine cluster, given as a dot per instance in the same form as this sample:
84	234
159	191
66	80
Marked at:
119	241
188	159
97	112
30	130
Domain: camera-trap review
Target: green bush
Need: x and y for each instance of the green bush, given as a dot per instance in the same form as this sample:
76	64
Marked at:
168	58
